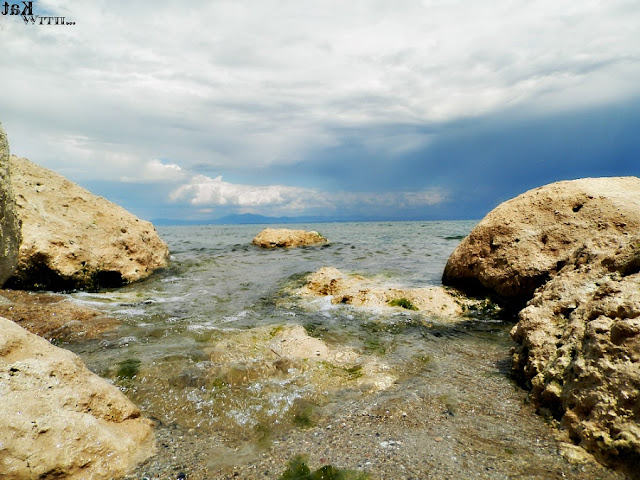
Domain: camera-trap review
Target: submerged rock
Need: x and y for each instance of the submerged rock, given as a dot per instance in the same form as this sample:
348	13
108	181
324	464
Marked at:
9	225
74	239
288	350
572	250
59	420
54	316
284	238
359	291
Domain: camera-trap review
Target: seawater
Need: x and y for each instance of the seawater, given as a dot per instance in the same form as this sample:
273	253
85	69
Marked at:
189	349
219	283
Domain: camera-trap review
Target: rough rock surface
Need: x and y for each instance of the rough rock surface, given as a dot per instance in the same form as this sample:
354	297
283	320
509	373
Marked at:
359	291
572	250
579	350
74	239
54	316
59	420
9	223
284	237
524	241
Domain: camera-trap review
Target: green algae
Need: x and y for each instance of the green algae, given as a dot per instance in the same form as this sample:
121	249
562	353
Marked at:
128	368
375	346
484	308
422	359
298	469
402	302
263	434
353	372
304	414
276	330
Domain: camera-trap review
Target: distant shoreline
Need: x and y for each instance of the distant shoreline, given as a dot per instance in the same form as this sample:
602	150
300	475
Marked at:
250	219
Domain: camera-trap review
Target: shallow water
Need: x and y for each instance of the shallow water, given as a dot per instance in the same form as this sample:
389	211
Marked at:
411	396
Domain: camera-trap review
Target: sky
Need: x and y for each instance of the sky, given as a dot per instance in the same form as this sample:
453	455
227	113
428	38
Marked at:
363	109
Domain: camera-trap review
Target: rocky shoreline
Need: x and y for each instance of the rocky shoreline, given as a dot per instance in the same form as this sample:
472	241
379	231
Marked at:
569	253
54	316
566	256
59	420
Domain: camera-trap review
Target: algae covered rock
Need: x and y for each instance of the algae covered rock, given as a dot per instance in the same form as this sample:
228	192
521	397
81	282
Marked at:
54	316
59	420
284	238
359	291
289	349
9	224
74	239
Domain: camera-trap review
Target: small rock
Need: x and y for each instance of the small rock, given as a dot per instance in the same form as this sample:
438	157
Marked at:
286	238
574	454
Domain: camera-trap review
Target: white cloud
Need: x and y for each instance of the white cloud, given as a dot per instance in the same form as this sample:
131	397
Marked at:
202	191
154	171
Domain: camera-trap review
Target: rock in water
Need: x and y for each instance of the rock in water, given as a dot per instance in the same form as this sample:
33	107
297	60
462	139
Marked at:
54	316
74	239
359	291
59	420
284	237
572	250
10	225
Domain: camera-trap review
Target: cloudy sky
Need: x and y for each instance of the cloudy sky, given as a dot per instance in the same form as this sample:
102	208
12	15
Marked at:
397	110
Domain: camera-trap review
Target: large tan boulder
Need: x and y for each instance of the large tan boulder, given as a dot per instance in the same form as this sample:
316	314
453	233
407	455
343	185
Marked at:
74	239
571	252
9	223
59	420
524	241
284	238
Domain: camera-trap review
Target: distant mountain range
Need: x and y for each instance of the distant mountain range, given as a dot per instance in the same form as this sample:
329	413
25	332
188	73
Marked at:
253	219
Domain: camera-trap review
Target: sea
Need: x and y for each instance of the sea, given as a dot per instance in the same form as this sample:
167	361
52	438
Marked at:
421	397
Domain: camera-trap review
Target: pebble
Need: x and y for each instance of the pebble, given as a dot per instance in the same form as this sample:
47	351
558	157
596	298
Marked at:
390	444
